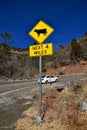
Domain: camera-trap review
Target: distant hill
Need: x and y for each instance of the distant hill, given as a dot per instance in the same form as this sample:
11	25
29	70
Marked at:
15	62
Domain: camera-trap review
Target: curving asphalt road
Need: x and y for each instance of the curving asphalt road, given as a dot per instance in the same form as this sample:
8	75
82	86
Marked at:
8	87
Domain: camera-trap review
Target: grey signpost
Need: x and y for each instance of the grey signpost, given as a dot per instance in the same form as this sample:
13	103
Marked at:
40	120
38	35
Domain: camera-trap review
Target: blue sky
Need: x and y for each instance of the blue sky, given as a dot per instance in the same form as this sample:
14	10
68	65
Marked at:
68	18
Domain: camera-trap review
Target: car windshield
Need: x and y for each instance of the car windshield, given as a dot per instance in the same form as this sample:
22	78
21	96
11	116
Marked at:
42	76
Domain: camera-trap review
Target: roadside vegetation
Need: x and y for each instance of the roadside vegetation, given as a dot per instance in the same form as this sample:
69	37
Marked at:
15	62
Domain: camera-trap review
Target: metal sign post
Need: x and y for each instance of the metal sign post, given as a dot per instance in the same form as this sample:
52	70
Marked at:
40	32
40	120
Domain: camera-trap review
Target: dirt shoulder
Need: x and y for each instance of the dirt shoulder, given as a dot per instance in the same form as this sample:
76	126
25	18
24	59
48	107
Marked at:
61	110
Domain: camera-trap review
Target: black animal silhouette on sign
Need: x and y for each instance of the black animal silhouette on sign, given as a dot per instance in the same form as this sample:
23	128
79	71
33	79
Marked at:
41	31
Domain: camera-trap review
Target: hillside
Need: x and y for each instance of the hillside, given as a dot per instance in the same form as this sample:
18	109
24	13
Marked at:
71	58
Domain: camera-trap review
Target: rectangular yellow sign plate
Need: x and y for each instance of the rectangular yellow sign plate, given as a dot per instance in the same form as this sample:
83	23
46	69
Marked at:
41	50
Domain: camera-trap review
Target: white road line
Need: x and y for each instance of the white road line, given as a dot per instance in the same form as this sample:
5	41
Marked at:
2	94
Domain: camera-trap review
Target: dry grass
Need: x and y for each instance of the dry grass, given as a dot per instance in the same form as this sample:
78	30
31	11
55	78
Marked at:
85	90
84	82
61	111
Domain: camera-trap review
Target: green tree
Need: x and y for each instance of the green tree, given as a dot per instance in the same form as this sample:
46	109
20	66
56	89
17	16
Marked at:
61	47
76	50
85	34
6	37
5	50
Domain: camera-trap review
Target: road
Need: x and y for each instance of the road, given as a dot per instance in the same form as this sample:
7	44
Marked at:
17	85
17	96
6	87
13	99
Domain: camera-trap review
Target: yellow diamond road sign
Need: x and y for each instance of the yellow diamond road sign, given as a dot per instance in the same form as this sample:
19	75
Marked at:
41	50
41	31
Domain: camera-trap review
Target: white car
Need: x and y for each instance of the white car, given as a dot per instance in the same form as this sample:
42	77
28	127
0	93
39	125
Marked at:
48	79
